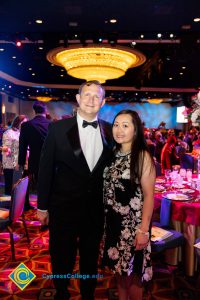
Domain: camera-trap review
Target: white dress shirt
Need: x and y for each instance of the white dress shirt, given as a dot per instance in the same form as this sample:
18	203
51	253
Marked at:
91	142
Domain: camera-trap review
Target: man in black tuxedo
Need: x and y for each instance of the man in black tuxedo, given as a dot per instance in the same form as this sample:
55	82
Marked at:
70	187
32	136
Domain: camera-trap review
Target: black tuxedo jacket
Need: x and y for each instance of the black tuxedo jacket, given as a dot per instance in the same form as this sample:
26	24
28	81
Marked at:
32	136
65	182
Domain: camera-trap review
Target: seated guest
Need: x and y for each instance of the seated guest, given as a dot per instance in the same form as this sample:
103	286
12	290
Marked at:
169	156
159	145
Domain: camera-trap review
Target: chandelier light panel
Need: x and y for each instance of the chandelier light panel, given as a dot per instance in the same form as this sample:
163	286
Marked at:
96	62
43	98
155	100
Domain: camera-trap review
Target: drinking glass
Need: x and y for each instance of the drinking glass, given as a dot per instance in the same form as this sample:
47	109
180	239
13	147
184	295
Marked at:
189	175
174	176
167	175
183	173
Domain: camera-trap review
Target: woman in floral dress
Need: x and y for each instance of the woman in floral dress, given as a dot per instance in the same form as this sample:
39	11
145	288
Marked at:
129	198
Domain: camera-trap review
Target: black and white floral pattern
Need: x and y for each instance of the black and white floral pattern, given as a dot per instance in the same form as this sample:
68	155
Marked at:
123	208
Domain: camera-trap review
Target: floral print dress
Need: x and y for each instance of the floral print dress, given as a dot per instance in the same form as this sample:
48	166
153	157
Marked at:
123	215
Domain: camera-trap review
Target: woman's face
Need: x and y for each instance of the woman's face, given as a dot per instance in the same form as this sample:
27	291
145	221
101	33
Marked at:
123	130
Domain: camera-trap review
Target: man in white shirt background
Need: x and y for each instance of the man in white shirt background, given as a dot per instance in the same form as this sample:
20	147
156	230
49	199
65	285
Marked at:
70	187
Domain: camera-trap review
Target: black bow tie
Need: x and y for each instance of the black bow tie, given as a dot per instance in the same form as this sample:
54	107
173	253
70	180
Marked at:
86	123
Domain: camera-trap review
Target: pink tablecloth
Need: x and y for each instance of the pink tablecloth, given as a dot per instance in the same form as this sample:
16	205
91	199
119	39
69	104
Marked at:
183	211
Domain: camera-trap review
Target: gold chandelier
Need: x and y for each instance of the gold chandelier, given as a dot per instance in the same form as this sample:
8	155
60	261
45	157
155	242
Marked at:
155	100
96	62
44	98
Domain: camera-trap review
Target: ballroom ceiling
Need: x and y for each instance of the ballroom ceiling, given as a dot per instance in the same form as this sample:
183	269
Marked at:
171	70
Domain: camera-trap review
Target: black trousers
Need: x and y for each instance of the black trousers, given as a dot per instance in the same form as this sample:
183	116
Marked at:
8	180
65	239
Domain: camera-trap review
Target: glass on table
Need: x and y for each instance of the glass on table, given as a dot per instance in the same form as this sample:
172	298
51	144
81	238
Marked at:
174	177
183	173
189	175
176	168
167	175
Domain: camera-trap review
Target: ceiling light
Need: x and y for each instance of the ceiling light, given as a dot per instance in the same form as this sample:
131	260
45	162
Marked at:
33	74
170	78
186	27
181	73
155	100
159	35
30	69
18	43
196	20
43	98
142	36
19	64
40	48
3	108
14	57
73	24
113	21
96	62
183	67
1	49
171	35
38	21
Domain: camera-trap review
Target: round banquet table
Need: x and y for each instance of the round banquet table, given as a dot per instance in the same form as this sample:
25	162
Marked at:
185	218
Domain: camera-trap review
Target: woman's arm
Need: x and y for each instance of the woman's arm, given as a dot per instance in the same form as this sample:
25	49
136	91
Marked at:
148	186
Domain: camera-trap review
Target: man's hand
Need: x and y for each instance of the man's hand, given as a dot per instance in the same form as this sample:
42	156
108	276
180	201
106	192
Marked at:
43	217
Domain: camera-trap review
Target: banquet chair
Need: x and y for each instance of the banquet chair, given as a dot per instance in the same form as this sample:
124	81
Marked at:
167	250
9	216
197	252
173	241
158	168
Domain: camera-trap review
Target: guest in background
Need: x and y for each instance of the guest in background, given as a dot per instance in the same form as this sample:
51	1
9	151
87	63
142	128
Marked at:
10	150
129	199
31	138
150	143
169	156
159	145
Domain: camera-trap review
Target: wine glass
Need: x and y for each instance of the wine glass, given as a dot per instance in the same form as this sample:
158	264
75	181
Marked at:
167	175
189	175
183	173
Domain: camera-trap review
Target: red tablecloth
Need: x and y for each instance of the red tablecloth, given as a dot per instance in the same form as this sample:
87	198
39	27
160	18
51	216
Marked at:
183	211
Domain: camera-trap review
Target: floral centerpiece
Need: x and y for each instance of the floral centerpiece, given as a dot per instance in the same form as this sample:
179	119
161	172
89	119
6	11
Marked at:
195	115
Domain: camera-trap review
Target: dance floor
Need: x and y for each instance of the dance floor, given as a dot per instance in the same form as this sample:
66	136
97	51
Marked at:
168	282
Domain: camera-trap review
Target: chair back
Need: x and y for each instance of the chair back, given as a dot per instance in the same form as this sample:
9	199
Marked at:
18	197
187	161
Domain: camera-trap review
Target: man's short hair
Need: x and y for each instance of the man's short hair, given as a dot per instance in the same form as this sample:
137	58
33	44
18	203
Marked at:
39	107
88	83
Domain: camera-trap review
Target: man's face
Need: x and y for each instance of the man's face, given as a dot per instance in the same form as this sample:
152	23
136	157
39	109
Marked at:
90	101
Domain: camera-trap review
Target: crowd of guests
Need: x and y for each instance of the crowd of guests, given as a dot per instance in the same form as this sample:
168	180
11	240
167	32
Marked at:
169	147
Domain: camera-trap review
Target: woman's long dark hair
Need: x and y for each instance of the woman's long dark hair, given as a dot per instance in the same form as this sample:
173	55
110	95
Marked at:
138	147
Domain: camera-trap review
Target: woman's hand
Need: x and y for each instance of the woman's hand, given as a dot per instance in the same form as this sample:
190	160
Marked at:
43	217
141	241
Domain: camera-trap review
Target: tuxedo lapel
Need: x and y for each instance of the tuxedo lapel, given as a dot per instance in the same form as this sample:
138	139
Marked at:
106	139
74	141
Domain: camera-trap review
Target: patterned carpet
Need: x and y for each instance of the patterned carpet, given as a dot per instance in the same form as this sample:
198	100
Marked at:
168	283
